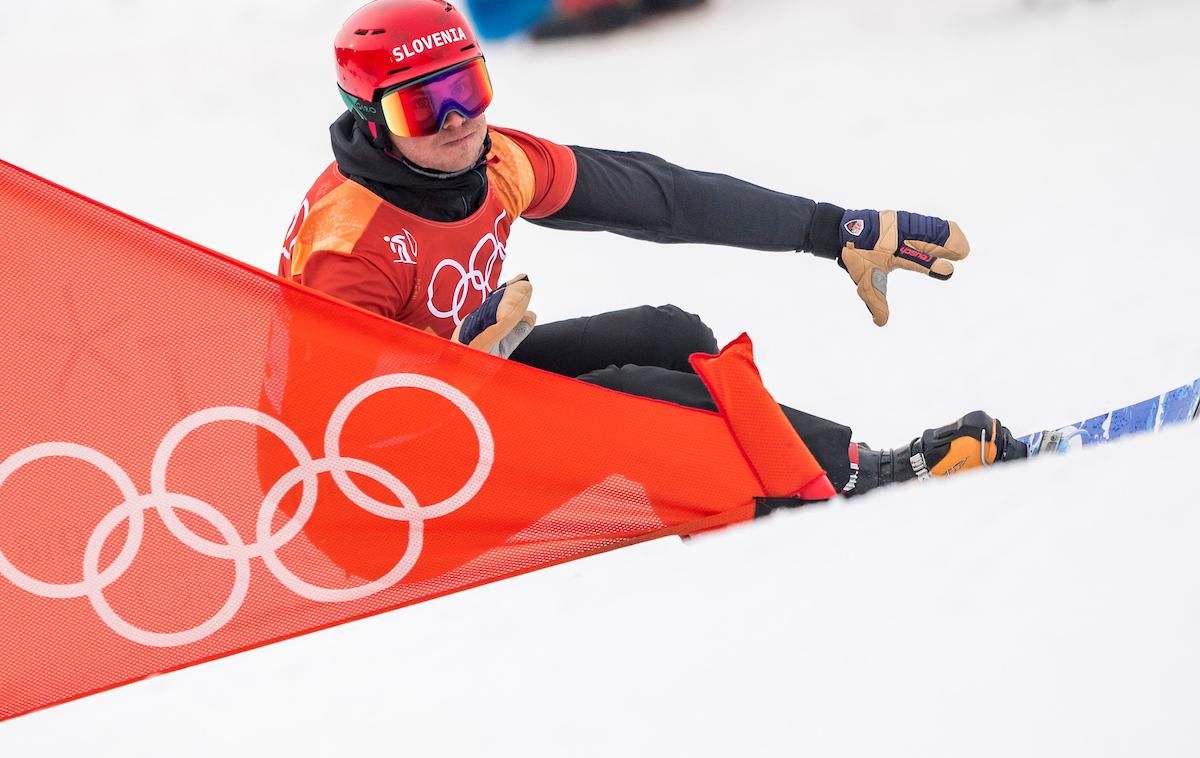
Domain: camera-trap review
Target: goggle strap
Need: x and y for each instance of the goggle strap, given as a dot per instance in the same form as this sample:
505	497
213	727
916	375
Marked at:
364	109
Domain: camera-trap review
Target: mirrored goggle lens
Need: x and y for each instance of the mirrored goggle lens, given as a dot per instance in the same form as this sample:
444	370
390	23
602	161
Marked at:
419	109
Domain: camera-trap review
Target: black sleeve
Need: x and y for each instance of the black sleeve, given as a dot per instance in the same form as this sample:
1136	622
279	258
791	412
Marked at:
643	196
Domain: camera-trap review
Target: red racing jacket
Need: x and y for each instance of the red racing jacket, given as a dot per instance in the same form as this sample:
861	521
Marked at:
351	243
425	249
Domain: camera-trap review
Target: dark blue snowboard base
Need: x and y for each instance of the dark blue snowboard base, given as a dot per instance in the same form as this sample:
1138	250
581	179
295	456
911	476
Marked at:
1176	406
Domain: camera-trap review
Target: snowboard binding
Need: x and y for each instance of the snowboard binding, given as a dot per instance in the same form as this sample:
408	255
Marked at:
972	441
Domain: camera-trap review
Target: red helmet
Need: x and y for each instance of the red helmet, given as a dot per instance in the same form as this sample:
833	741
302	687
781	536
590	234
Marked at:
390	42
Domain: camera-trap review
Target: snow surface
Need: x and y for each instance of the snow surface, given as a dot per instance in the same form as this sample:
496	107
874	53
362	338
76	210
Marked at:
1050	609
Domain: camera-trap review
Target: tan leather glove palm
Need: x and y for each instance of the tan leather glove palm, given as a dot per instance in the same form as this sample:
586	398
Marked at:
874	243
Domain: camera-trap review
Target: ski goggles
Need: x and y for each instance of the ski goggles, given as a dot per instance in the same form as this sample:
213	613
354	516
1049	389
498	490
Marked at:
419	108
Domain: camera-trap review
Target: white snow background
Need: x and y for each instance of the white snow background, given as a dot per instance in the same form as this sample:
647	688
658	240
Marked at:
1050	609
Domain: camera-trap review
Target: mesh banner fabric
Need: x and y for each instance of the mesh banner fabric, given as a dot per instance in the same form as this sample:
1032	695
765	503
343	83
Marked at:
198	458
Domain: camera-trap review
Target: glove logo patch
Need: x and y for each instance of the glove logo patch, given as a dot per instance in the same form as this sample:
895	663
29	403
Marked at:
404	246
916	256
855	226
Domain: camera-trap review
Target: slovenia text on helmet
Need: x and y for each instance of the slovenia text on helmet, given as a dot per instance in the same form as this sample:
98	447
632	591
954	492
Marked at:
408	64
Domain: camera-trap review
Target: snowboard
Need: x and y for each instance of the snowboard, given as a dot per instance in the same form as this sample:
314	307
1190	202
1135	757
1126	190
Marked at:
1177	406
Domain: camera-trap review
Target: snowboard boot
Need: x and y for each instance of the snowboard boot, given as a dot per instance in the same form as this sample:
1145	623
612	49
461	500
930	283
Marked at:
972	441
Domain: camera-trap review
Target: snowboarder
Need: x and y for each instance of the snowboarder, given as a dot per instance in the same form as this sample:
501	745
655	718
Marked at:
412	218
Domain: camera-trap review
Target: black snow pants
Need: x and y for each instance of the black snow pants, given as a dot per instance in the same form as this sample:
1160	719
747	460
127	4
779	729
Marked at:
644	351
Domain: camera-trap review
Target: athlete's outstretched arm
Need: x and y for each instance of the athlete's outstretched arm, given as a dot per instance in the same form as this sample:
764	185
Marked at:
643	196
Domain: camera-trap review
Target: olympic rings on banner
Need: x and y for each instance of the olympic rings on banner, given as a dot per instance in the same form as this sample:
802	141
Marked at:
266	545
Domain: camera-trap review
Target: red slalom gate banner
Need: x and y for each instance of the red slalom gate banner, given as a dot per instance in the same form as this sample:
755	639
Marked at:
199	458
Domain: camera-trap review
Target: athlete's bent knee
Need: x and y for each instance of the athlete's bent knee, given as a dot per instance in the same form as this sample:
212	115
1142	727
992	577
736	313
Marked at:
686	331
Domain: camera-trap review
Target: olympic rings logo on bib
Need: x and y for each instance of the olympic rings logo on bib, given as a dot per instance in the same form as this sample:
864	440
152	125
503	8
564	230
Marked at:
470	278
166	503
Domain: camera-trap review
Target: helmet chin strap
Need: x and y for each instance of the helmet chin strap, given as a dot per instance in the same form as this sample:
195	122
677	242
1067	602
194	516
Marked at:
381	140
432	174
435	174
